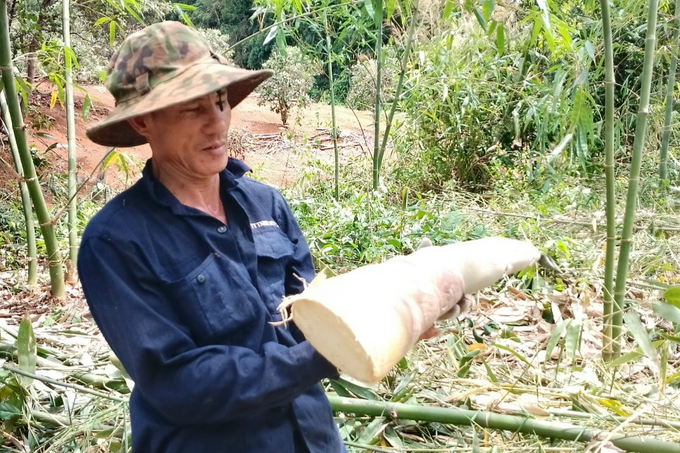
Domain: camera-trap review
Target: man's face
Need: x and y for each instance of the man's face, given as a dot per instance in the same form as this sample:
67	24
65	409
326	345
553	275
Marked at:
191	138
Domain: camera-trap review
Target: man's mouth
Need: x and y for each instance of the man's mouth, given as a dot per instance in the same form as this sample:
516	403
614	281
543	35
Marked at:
214	146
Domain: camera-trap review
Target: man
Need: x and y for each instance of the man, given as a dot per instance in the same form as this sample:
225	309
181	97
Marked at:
183	272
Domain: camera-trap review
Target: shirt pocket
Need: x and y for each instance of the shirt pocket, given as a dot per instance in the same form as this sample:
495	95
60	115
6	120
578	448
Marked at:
214	302
274	252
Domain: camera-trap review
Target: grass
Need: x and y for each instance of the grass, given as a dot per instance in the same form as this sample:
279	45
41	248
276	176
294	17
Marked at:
531	348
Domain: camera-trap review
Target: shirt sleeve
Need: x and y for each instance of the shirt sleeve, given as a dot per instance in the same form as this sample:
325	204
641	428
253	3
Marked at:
186	383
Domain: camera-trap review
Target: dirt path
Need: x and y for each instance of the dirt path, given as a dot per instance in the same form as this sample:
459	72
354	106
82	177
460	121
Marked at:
276	153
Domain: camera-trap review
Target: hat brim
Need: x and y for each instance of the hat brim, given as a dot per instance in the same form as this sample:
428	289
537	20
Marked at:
199	80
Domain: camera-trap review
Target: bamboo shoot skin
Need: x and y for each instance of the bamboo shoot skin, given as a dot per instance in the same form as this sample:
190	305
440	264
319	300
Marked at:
366	320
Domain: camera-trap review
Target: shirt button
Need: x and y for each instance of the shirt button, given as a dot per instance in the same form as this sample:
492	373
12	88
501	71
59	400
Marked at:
200	278
222	229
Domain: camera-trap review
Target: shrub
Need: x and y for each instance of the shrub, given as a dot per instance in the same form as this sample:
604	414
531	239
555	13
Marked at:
290	85
361	94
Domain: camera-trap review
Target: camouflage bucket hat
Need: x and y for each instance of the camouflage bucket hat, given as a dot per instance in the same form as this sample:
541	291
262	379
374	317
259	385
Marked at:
162	65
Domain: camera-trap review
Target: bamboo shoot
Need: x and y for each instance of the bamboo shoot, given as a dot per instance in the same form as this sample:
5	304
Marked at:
366	320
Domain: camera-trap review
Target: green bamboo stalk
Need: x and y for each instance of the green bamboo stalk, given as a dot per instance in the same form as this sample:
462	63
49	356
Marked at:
609	263
633	181
334	130
71	139
54	257
378	63
31	251
462	417
400	82
663	164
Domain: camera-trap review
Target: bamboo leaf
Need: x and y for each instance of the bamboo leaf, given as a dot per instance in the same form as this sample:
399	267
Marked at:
516	354
134	14
555	337
87	105
627	357
8	411
673	338
500	39
615	406
543	6
372	431
53	100
101	20
672	296
571	339
26	350
184	6
393	438
640	334
448	9
489	372
271	35
357	390
112	32
390	9
666	311
488	7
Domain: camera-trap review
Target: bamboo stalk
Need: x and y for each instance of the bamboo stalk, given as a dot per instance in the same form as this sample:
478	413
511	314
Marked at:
400	83
76	387
663	164
634	179
490	420
334	131
71	141
31	251
609	83
378	64
54	257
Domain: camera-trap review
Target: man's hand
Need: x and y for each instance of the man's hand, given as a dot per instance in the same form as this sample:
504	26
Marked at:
464	305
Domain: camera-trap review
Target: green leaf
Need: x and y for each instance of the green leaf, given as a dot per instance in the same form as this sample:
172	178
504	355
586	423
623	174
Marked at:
101	20
625	358
271	35
448	9
112	32
372	431
555	337
500	39
543	6
640	334
673	338
134	14
26	350
8	411
666	311
184	6
357	389
487	8
87	105
390	9
672	296
572	340
516	354
480	19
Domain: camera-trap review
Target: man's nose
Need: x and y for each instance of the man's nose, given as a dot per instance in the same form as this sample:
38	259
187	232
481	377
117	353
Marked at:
217	119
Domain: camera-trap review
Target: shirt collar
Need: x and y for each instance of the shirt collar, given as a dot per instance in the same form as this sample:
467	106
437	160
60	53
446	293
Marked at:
228	180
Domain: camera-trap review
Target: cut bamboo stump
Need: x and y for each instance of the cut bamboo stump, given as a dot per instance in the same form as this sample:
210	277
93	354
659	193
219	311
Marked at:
366	320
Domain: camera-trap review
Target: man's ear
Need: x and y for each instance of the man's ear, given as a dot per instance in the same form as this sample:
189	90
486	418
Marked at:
140	124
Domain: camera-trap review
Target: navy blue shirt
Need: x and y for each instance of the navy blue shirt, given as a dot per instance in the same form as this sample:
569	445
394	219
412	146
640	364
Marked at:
186	302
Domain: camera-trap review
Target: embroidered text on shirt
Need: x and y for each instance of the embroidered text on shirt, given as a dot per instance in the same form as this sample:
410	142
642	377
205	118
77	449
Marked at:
263	223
